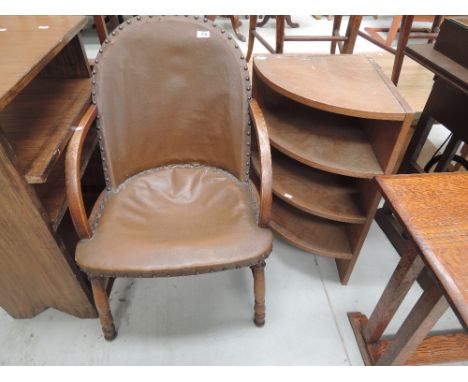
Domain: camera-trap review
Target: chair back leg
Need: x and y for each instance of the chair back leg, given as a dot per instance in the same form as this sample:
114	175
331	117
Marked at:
258	272
102	305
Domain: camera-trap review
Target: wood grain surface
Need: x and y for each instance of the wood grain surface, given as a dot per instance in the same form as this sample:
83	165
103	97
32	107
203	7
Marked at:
28	44
38	123
361	93
434	209
310	233
52	194
320	193
436	348
322	140
35	272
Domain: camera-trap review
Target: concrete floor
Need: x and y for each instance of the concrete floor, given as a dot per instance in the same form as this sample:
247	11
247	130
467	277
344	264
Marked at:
207	319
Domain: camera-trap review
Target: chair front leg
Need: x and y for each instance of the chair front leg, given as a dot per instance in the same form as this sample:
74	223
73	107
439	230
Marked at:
102	305
258	272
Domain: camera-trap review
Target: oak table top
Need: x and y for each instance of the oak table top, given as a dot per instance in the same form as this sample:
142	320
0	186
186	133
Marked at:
434	209
27	44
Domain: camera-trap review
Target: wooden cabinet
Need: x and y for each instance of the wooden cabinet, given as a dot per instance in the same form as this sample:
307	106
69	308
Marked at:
45	87
334	123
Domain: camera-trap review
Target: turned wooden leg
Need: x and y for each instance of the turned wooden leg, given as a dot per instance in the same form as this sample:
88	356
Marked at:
258	271
250	43
102	305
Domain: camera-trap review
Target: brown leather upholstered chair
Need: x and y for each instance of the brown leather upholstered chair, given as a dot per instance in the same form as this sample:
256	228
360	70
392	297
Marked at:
172	99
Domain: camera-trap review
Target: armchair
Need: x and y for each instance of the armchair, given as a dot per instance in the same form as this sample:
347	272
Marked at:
171	99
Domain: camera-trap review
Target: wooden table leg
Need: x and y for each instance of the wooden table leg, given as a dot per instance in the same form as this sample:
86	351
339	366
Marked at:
405	274
427	311
405	31
279	34
452	147
421	132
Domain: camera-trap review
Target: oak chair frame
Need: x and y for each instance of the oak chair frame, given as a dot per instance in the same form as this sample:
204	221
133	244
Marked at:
101	286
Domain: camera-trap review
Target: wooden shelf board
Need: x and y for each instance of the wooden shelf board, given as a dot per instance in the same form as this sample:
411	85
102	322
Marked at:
316	192
312	234
38	124
322	140
27	49
334	83
52	194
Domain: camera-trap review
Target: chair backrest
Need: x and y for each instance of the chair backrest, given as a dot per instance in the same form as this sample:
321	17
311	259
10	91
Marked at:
171	89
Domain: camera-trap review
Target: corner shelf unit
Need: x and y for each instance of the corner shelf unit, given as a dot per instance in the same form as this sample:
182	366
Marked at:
334	123
45	88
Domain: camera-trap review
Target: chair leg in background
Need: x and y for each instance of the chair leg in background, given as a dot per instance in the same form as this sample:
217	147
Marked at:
250	43
102	305
258	271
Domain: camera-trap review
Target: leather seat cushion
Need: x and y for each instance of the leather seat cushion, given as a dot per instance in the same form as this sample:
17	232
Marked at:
175	220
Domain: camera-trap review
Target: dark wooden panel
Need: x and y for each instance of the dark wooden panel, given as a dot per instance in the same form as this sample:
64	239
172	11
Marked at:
452	40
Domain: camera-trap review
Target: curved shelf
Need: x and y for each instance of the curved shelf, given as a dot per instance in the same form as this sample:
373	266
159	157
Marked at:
332	83
319	193
322	140
312	234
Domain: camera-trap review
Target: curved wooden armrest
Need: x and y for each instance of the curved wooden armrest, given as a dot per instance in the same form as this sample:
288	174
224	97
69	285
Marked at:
73	174
265	163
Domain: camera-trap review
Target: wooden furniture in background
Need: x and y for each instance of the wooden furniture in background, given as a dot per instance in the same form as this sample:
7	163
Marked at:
235	22
392	31
447	104
102	28
45	87
345	43
267	18
328	142
433	209
406	29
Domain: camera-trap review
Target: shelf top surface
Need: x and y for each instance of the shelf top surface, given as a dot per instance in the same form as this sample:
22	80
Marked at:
351	85
434	209
27	44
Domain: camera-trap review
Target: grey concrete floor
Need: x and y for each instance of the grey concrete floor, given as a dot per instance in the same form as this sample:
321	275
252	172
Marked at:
207	319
